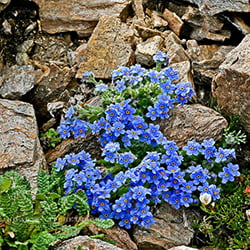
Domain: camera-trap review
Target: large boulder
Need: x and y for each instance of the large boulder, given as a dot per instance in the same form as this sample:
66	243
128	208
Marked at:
74	15
193	122
231	86
171	228
20	148
108	47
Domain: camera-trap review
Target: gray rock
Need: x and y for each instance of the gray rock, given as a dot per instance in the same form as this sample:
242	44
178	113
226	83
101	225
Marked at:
182	248
213	7
86	243
171	228
17	81
205	26
193	122
231	86
108	47
80	16
20	148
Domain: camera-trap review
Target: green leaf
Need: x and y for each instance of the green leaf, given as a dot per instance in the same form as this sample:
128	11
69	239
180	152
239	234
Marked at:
104	223
5	184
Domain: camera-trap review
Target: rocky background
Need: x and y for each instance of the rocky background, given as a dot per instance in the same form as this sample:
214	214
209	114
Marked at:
45	46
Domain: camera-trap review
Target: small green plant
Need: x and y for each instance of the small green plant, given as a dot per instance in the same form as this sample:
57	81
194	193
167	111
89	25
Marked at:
43	221
225	224
50	138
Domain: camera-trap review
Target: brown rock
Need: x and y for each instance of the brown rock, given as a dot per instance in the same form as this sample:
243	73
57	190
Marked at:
85	243
193	122
174	49
205	26
115	234
171	228
157	20
50	87
89	144
231	86
20	149
80	16
146	50
174	22
108	47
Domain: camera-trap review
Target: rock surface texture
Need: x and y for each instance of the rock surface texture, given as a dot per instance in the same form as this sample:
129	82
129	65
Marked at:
193	122
231	86
86	243
20	148
171	228
73	15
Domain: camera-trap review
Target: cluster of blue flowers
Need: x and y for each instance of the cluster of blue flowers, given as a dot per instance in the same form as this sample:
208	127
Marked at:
127	194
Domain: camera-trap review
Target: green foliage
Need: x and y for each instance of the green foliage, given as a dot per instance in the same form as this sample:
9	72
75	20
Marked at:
225	224
43	221
50	138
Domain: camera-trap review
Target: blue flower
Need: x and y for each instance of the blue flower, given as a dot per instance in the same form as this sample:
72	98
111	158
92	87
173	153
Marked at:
167	87
186	199
86	75
70	113
118	128
221	155
199	176
152	113
73	159
80	178
80	128
60	164
214	191
101	87
192	148
112	146
208	152
110	156
171	73
160	57
154	76
126	141
133	134
120	85
139	193
226	175
175	200
126	158
233	168
64	131
188	186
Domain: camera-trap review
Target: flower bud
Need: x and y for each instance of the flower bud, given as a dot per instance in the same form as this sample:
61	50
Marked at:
205	198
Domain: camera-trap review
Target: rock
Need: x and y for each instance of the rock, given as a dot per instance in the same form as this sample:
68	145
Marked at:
20	148
4	4
239	23
231	86
116	234
212	7
79	16
205	26
174	49
146	50
108	48
52	49
51	87
174	22
156	20
139	12
193	122
145	32
86	243
182	248
89	144
17	81
171	228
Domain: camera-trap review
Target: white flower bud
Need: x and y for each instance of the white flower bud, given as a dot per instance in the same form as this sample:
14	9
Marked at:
248	214
205	198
